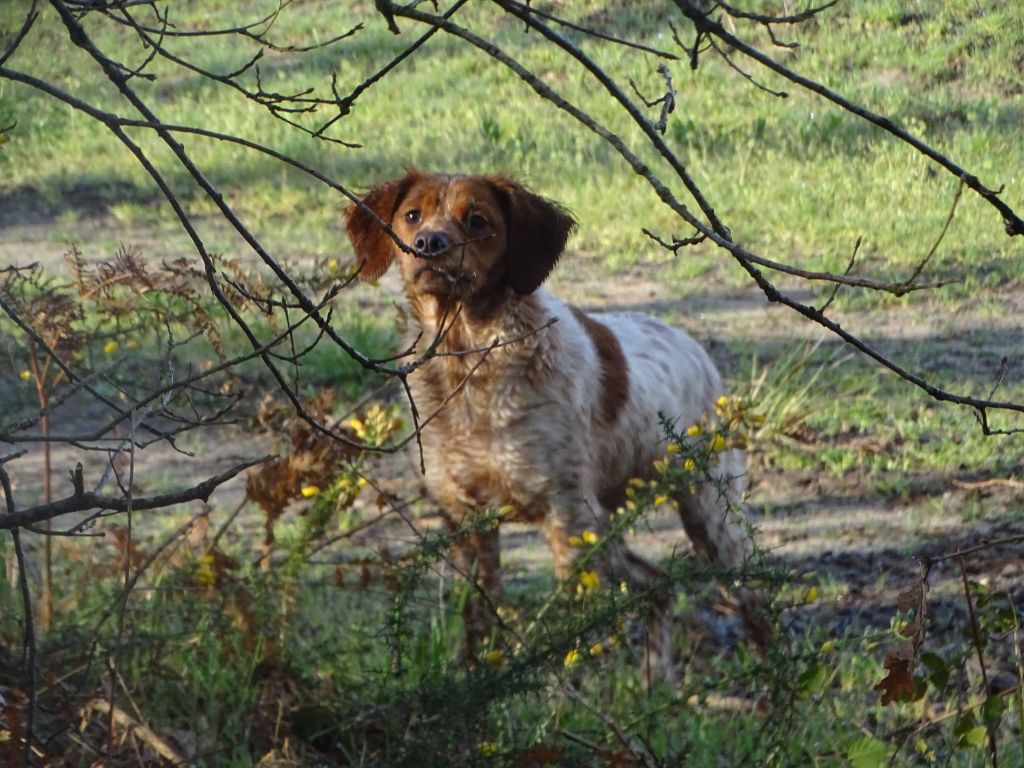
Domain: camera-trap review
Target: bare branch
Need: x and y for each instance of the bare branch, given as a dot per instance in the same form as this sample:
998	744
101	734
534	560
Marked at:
909	282
835	288
523	12
590	32
30	19
677	242
345	103
1014	223
85	501
28	627
743	73
717	233
667	101
769	19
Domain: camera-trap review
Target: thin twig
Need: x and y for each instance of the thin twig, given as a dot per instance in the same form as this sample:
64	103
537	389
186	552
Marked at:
28	636
768	19
598	34
30	18
930	560
979	649
744	74
909	282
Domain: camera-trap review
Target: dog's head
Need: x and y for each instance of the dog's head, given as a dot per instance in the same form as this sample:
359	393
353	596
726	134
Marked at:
467	235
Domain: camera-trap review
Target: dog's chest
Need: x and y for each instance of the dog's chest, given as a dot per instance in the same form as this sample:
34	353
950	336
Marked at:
491	441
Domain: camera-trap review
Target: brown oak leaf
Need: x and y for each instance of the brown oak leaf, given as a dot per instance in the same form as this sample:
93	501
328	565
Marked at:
898	685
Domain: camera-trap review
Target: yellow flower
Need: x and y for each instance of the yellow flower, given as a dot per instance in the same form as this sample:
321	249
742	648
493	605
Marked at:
376	425
689	465
596	649
575	541
722	401
494	657
718	443
110	347
362	430
635	482
487	748
660	465
589	537
205	575
572	657
694	430
332	265
309	490
26	375
828	646
672	448
589	581
659	500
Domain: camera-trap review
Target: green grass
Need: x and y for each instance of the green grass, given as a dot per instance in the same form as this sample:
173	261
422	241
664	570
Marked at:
256	657
796	179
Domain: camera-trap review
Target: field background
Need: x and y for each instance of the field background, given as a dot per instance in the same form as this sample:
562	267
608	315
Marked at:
854	474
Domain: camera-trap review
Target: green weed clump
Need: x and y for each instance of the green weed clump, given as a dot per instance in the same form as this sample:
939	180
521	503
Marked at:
321	647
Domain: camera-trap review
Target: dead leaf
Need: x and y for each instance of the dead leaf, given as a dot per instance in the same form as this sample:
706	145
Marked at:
313	461
898	685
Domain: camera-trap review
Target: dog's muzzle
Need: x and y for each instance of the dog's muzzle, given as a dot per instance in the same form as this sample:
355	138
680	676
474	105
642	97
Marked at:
430	244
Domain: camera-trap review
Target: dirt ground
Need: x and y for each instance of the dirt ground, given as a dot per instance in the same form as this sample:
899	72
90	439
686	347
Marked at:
861	544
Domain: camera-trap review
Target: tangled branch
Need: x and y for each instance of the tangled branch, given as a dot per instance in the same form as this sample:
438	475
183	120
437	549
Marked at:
711	227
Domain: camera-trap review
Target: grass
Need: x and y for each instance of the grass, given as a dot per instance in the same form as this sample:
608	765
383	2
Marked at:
796	178
248	659
241	660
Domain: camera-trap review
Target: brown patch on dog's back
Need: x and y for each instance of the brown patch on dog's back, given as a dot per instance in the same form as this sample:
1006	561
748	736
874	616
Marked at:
614	370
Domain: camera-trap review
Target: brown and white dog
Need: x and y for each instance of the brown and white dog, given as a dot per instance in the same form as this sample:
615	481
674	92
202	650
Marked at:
556	423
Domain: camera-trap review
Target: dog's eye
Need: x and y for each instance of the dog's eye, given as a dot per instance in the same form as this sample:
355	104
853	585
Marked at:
476	222
413	215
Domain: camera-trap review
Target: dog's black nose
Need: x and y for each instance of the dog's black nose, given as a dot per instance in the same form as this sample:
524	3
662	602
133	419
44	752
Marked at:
430	244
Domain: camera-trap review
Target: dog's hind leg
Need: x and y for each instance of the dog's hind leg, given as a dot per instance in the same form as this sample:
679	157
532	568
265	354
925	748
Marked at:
618	566
712	515
651	584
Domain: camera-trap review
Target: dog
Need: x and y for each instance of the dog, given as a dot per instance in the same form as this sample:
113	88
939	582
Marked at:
550	420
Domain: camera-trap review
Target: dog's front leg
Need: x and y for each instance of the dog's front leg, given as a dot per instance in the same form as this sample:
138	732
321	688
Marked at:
477	558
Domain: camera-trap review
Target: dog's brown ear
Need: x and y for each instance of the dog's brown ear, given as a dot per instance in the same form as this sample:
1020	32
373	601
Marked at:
374	248
537	231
